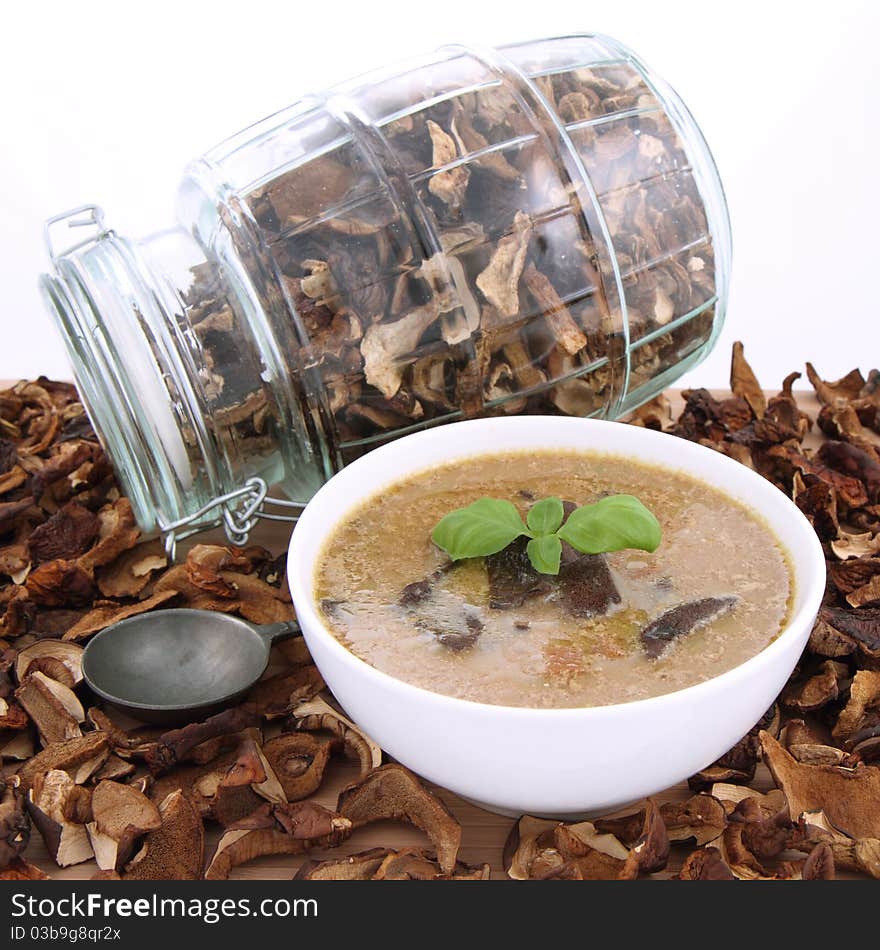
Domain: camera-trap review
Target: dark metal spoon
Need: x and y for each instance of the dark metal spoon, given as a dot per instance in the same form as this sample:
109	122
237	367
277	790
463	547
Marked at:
179	665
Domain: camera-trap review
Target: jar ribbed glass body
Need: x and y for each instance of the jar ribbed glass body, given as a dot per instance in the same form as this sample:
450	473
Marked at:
535	229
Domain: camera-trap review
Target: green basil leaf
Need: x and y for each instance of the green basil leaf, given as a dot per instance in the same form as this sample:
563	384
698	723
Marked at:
545	553
612	524
485	527
545	517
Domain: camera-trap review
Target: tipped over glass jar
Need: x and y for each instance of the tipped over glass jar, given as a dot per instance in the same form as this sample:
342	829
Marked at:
534	229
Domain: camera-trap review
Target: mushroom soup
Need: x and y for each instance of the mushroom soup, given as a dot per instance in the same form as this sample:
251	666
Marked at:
607	628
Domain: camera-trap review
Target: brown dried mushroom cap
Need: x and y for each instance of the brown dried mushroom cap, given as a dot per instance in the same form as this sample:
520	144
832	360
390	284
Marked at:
847	796
176	850
651	852
864	694
113	769
744	383
317	714
419	864
174	746
68	655
705	864
53	708
50	801
848	387
130	573
66	535
121	814
299	761
248	781
394	793
819	689
80	758
59	583
819	865
278	829
118	532
353	867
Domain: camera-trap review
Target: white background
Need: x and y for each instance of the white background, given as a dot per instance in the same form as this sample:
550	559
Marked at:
106	102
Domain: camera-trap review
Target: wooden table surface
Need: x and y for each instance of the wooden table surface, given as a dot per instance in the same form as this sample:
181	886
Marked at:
483	833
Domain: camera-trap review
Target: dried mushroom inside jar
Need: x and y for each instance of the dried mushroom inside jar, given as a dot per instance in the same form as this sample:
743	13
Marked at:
446	262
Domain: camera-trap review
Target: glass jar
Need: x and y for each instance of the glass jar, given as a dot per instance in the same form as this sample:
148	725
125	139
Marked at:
535	229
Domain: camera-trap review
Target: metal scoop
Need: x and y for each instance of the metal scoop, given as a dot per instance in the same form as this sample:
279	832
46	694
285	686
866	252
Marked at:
179	665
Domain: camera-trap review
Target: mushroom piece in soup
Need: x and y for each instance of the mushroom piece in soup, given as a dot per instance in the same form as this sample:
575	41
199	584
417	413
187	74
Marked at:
604	628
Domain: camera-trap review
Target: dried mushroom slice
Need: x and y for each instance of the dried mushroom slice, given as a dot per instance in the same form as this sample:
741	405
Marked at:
744	383
823	687
20	870
52	802
125	745
392	792
353	867
121	815
106	613
419	864
549	850
16	745
15	826
66	657
738	763
174	746
130	573
275	696
705	864
114	769
700	818
278	829
846	796
651	851
862	710
316	714
201	782
60	583
66	535
861	855
12	717
80	758
53	708
299	761
118	532
819	865
175	851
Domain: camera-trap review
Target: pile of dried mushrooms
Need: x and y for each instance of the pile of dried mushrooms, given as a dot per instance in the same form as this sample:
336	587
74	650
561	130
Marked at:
138	800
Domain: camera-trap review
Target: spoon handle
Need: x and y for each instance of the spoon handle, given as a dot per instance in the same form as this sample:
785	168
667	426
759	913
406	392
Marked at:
273	632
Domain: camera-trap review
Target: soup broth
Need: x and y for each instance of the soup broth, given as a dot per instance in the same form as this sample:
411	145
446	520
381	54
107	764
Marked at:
393	598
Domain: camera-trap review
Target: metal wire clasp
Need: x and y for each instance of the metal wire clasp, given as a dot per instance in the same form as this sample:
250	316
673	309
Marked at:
240	510
84	216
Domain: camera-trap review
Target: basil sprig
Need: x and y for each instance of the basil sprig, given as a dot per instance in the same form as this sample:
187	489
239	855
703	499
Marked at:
489	524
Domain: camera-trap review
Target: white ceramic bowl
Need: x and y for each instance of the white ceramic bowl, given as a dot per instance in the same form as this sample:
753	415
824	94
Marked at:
554	762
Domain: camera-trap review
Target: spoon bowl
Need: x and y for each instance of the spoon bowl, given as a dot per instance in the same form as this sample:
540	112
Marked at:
178	665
